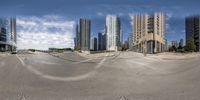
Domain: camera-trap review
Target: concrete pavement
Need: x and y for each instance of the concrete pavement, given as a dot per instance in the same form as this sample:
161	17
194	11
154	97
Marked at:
69	76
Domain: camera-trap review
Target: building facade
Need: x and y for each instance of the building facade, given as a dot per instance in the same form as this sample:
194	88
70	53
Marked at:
94	44
166	47
181	43
148	32
77	42
101	41
130	41
113	33
13	33
192	28
82	38
8	39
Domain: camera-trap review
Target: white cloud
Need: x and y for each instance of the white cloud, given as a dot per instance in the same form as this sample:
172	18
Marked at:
100	14
131	15
168	16
44	32
106	13
120	14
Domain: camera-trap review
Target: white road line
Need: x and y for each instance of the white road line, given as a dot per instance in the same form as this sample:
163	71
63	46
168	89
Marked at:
138	62
49	63
152	59
21	60
56	78
83	61
100	64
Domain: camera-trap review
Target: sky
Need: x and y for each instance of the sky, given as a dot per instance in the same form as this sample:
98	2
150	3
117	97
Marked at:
51	23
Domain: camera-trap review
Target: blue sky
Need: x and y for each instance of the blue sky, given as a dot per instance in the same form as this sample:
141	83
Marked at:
51	20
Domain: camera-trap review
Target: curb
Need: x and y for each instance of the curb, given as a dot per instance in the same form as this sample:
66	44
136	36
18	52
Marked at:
179	58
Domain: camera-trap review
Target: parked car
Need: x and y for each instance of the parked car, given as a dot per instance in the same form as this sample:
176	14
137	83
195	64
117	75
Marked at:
14	52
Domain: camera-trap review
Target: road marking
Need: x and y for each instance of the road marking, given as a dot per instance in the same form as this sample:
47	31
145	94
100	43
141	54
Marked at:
22	98
100	63
83	61
138	62
21	60
49	63
56	78
122	98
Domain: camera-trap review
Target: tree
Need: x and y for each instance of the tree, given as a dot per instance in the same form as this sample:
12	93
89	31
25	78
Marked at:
173	49
180	49
190	46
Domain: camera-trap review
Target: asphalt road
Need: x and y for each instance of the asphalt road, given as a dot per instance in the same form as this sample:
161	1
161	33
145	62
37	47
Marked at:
122	77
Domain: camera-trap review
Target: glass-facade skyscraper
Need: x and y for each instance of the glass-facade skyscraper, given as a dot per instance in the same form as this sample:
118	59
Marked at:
192	28
101	41
8	38
82	40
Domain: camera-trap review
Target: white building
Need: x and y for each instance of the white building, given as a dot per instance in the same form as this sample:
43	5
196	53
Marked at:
113	33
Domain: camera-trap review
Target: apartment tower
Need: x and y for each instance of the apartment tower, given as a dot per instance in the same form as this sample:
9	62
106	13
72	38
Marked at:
82	39
113	33
148	33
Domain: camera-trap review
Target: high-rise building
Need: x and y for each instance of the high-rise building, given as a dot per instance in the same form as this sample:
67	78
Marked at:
148	32
3	35
130	41
94	44
166	47
181	43
192	28
101	41
113	33
82	39
13	34
8	34
77	42
85	28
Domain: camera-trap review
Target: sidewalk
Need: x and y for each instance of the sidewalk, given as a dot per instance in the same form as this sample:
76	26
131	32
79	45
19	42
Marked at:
95	55
175	56
4	54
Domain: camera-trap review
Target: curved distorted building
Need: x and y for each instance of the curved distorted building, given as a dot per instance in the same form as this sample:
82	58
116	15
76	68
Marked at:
8	33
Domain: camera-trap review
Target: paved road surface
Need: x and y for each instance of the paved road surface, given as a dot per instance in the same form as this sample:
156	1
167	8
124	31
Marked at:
71	77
